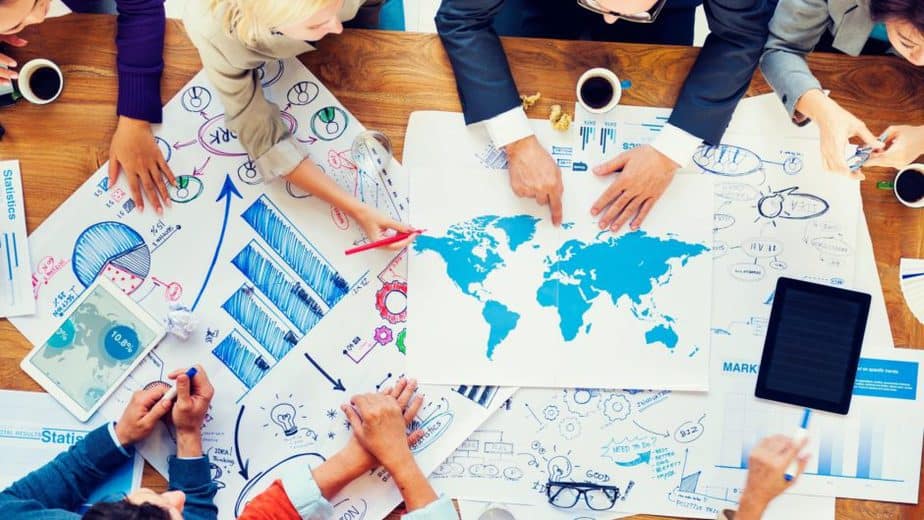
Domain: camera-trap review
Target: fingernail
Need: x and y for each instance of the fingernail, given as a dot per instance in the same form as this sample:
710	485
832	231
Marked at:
594	211
14	74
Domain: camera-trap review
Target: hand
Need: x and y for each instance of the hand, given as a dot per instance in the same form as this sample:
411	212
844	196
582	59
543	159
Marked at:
903	144
767	465
134	149
644	174
533	173
836	127
375	225
141	415
8	74
379	423
192	399
403	392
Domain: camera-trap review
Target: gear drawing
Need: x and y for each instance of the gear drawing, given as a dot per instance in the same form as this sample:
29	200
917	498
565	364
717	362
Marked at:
615	407
391	295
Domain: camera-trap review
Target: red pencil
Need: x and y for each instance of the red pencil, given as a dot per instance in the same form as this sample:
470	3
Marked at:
384	242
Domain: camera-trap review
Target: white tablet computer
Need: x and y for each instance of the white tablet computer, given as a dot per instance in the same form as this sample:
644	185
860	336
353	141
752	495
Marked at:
103	338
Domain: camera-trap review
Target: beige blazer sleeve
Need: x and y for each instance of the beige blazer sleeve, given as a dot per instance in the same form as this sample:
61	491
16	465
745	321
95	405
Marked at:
231	69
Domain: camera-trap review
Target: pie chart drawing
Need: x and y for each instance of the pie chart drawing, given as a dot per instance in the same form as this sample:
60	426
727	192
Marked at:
115	251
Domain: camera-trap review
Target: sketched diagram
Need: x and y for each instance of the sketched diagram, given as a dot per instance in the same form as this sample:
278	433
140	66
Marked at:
434	420
691	492
789	203
771	205
187	189
828	240
735	161
329	123
760	251
484	454
113	250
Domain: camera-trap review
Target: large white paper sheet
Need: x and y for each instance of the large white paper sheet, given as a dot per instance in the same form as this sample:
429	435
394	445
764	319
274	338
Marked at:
34	429
262	266
15	277
539	305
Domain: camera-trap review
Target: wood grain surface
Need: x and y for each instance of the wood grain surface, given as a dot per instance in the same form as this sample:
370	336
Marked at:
382	77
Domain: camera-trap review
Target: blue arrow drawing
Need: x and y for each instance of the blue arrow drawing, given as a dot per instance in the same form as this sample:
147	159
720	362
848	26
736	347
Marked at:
227	192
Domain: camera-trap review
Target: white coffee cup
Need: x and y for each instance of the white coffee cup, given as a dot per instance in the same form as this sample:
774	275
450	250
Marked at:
611	78
911	169
25	76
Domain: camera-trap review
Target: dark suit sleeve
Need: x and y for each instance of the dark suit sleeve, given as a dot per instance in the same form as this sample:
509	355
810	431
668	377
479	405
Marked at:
483	77
724	68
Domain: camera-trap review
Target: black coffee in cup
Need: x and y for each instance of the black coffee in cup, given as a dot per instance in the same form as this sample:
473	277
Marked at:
909	186
597	92
45	83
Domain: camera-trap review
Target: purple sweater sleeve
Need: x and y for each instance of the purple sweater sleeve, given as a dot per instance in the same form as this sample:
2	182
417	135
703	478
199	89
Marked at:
140	42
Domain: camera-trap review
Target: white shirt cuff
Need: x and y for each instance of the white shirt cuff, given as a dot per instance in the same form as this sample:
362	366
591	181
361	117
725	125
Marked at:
508	127
677	144
115	440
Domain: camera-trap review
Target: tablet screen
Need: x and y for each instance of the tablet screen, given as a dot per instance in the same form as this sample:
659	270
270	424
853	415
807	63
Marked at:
94	347
813	345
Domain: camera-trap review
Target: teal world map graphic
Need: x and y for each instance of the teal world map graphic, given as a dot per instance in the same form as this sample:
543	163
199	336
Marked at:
577	275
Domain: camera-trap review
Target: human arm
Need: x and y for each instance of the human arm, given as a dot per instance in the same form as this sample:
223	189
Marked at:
488	94
310	178
140	45
903	144
189	470
795	29
67	481
379	425
302	493
767	464
719	78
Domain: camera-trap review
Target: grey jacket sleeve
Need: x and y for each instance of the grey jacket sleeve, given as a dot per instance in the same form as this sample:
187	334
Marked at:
795	29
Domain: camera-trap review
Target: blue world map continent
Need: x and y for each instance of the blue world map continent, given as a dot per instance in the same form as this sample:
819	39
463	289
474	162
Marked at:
576	274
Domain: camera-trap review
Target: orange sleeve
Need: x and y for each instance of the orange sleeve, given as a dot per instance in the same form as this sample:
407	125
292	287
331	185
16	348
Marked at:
272	504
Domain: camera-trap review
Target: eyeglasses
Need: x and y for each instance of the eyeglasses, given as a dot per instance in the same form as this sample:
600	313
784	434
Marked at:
566	494
648	16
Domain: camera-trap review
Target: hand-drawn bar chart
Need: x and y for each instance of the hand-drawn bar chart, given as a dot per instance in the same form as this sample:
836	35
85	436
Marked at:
288	287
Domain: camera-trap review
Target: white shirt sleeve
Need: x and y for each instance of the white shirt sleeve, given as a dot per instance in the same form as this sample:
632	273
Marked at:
677	144
508	127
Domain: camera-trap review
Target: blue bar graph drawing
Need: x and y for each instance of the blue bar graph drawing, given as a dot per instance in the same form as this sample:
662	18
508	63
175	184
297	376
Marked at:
283	238
830	451
869	452
587	133
480	395
241	359
607	135
243	307
286	294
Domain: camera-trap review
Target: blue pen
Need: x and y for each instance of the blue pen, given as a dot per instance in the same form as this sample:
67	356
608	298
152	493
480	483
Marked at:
171	394
797	438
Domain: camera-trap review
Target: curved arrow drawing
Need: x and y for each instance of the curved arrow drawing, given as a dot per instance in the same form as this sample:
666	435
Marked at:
643	458
665	434
237	449
227	192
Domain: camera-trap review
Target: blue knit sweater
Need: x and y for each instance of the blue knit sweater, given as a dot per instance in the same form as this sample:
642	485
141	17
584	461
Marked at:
58	488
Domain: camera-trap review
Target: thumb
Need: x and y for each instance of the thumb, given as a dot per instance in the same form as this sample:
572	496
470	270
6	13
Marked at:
868	138
356	423
113	170
615	164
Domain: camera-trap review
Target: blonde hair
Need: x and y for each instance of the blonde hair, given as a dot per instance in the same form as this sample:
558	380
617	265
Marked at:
253	21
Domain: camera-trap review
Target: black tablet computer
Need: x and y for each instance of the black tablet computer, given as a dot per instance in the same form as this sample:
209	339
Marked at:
813	345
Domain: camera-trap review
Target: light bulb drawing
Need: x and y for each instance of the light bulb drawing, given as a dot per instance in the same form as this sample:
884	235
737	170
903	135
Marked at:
283	415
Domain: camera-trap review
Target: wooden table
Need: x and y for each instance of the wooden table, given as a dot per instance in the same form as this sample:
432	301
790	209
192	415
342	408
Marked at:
60	145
